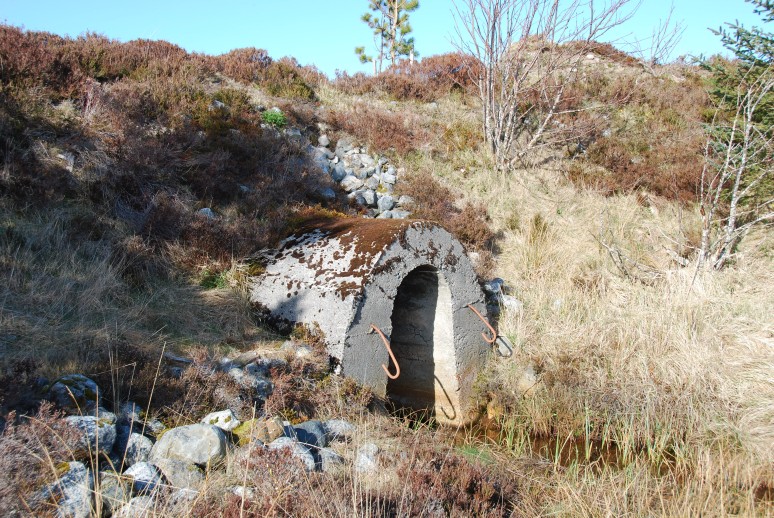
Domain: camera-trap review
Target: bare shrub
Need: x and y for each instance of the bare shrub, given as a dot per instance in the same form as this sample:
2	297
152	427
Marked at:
31	448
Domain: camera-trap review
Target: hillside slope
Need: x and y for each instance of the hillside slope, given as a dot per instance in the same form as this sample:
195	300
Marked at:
637	385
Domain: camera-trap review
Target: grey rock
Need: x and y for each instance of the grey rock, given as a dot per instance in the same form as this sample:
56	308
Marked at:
366	458
297	450
357	197
343	146
351	183
339	172
225	420
114	492
493	287
338	430
323	152
206	212
327	193
97	433
72	492
154	426
406	202
217	105
370	197
511	303
323	140
145	477
367	160
201	444
243	492
275	109
138	448
400	214
385	203
137	507
311	433
389	179
385	215
330	460
256	381
75	393
372	182
180	474
391	170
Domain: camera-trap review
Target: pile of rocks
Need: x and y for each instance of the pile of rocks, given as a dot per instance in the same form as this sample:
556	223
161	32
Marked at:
368	180
139	459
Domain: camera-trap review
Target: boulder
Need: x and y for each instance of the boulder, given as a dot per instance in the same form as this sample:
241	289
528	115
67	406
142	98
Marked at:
180	474
328	194
138	449
253	379
370	197
206	212
201	444
389	179
343	146
339	172
137	507
338	430
75	393
114	492
225	420
400	214
323	140
145	477
72	491
297	450
311	433
96	433
366	458
372	182
351	183
330	460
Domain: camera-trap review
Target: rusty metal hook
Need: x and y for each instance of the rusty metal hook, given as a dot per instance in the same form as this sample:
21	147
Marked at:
490	341
389	351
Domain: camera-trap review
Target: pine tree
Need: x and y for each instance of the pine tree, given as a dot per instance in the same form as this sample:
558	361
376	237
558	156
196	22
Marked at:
737	185
391	27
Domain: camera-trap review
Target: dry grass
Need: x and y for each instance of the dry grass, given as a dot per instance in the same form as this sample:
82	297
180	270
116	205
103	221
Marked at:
672	368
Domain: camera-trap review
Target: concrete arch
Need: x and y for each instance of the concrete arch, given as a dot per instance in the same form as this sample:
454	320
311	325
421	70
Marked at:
346	275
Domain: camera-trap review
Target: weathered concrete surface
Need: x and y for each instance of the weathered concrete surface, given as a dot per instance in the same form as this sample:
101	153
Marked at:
411	279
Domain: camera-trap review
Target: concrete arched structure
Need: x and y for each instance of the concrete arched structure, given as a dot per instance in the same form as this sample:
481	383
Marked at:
412	280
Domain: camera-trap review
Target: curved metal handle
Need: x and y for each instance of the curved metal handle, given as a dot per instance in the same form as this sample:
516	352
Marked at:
490	341
389	351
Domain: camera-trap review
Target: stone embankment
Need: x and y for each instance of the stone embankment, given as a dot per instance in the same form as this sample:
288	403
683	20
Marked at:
369	180
140	462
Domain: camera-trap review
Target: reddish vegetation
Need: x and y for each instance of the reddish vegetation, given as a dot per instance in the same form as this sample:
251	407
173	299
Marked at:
656	146
427	80
398	131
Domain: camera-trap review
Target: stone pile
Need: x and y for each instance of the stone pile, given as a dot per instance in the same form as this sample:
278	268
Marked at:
369	180
139	459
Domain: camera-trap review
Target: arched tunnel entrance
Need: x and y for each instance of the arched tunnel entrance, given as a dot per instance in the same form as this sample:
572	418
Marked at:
423	344
355	280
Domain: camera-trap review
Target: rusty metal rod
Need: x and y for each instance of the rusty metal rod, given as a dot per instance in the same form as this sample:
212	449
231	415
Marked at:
389	351
490	341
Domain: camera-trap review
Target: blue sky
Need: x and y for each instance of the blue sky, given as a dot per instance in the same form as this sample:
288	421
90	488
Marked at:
316	32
